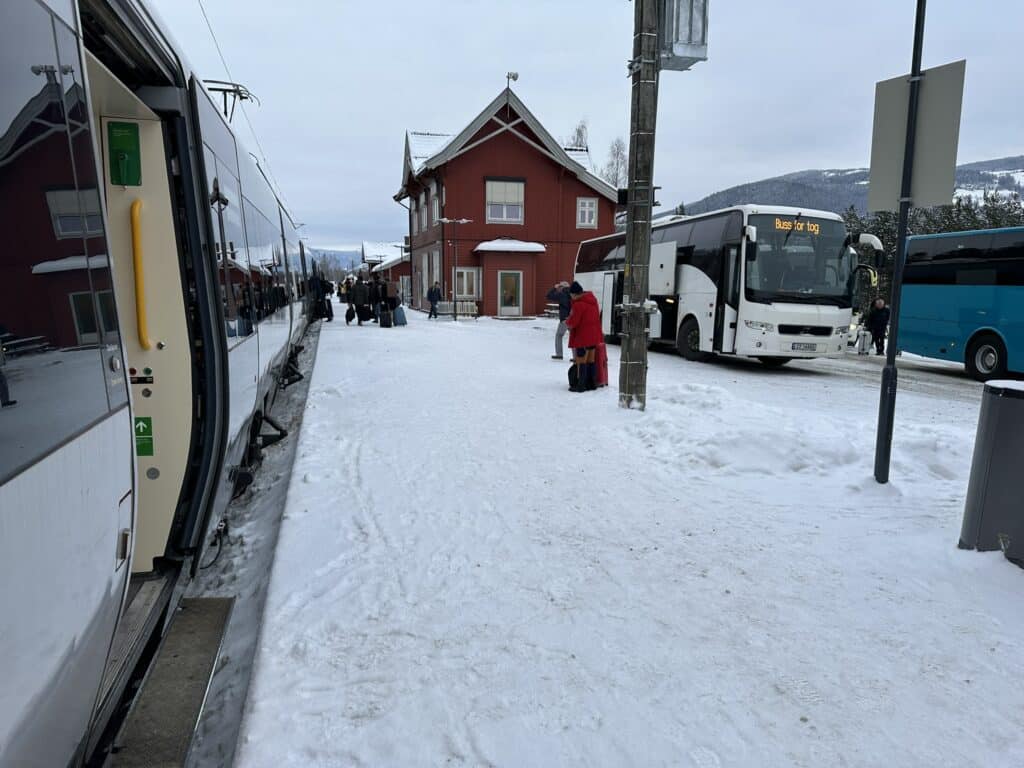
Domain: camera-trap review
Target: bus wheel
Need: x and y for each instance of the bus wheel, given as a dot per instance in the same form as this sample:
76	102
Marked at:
986	357
774	362
688	341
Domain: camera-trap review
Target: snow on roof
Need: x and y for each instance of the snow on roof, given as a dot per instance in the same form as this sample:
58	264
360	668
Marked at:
389	263
423	145
581	155
507	245
70	264
378	252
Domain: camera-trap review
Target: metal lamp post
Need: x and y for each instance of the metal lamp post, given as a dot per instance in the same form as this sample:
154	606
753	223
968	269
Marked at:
455	268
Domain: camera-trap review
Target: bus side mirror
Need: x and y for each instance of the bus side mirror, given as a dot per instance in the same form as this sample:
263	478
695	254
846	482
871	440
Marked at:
751	233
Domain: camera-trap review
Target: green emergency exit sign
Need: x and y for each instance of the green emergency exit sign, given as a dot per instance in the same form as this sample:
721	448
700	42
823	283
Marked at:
143	436
125	154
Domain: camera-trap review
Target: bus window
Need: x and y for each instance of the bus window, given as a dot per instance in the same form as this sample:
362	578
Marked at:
1007	245
969	247
707	245
601	255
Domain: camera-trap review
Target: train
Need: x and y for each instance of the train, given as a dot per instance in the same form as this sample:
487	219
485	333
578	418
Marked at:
153	297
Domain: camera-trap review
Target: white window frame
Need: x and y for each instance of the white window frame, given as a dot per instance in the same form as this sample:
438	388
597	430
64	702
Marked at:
75	214
435	207
415	217
584	207
423	210
462	272
425	274
502	198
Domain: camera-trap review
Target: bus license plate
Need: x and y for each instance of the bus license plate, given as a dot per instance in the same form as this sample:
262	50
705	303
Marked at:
798	347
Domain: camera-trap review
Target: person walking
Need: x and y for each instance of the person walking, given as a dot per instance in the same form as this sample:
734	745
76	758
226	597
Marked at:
360	294
434	296
559	294
878	322
584	323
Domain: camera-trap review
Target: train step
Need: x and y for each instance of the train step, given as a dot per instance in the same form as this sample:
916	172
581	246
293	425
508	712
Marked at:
158	731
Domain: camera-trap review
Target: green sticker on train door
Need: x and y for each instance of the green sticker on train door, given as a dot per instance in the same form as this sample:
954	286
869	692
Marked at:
143	436
125	154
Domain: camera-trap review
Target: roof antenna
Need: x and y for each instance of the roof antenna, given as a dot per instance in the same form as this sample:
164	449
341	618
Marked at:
237	91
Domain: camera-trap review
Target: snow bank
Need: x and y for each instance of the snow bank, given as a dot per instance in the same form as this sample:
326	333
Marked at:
480	568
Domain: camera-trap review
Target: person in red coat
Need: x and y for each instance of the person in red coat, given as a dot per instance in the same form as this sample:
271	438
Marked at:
584	324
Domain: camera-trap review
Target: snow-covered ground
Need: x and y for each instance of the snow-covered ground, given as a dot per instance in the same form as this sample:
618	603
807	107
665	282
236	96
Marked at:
478	567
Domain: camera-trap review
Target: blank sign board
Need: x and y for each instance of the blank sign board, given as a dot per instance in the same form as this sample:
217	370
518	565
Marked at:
938	131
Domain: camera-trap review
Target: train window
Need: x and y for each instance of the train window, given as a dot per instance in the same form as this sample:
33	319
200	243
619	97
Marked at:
51	319
108	338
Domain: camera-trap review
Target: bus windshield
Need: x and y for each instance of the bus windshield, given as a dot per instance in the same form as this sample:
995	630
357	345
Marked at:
799	259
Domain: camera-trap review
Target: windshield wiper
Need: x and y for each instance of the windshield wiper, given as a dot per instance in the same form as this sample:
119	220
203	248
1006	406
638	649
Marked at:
786	239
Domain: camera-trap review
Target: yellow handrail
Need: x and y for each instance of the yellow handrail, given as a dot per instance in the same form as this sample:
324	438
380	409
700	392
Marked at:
140	277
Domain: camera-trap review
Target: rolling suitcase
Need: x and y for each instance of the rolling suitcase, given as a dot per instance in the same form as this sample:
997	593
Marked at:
400	316
601	363
386	320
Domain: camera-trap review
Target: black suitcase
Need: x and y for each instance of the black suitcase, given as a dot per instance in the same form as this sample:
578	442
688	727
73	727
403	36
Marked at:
574	376
385	318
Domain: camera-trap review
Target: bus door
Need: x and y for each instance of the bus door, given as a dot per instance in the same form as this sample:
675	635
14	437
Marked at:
607	302
728	299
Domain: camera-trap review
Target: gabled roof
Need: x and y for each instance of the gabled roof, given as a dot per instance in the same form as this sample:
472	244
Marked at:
424	145
445	148
374	253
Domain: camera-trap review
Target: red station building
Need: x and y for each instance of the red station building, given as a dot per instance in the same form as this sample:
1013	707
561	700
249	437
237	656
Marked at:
529	202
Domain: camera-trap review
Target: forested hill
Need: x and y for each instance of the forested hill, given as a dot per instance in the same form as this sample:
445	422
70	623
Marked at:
838	189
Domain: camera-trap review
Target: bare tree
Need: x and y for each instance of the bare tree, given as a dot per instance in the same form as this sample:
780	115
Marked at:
615	170
578	137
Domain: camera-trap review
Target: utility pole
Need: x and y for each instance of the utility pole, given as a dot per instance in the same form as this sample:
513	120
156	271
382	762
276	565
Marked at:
644	68
887	397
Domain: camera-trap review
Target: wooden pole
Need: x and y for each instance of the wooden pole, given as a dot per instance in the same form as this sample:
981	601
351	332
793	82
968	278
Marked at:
643	116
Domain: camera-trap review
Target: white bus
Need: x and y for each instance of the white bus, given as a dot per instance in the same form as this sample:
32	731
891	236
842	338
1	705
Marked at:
769	282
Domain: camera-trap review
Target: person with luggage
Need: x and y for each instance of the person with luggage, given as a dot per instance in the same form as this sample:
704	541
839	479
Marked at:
375	298
878	322
361	300
584	324
434	296
559	294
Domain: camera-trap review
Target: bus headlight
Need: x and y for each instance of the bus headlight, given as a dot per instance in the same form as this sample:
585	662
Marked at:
757	325
841	329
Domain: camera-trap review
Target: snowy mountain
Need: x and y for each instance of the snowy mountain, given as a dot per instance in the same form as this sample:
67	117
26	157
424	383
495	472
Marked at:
838	189
337	263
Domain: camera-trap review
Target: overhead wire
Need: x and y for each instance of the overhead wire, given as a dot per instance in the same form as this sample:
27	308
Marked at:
216	44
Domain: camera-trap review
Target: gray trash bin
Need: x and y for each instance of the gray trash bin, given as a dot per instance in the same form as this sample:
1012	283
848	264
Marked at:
994	513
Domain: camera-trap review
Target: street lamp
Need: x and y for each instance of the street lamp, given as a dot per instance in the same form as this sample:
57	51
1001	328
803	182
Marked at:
455	269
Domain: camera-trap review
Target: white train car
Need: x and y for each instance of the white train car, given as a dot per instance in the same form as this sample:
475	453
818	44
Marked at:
152	289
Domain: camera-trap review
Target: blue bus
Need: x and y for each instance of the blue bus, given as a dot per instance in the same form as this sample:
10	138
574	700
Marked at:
963	300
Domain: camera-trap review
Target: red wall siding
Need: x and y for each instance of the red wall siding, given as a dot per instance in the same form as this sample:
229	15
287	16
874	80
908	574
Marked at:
549	217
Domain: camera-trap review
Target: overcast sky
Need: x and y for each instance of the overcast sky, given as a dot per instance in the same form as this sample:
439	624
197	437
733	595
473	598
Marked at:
788	86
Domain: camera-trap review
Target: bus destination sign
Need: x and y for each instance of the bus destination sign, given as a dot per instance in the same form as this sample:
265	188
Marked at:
796	225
